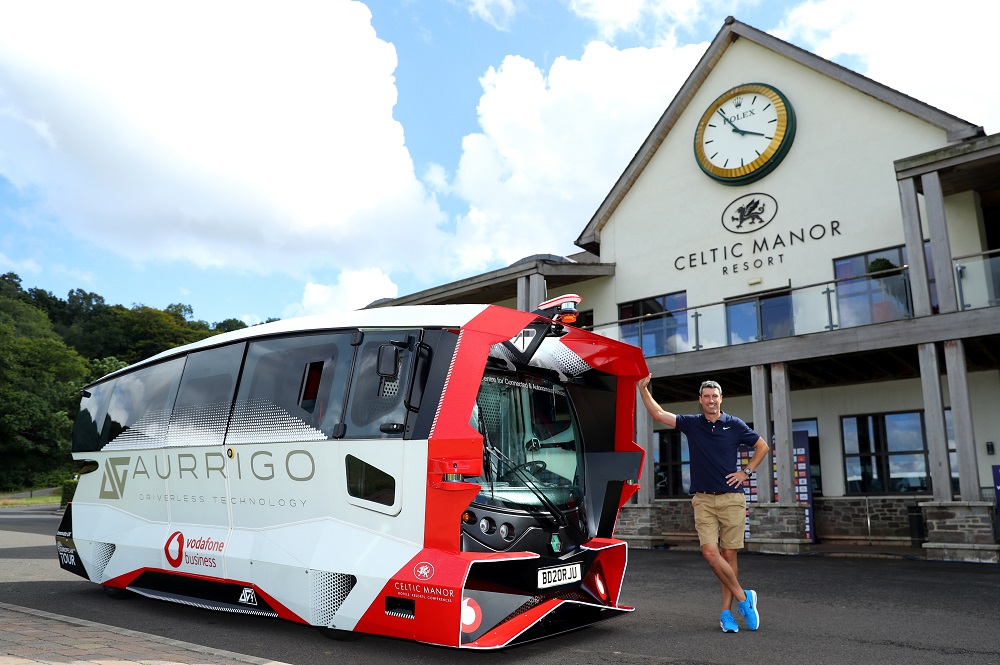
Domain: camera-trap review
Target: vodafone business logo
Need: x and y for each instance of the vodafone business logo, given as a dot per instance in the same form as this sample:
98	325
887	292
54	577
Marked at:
192	551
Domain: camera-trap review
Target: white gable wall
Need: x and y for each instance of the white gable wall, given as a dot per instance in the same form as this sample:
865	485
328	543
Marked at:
836	187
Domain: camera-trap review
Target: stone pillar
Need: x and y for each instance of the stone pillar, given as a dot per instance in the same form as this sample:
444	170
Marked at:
962	531
961	412
919	285
531	291
937	435
762	424
781	405
937	227
777	528
637	526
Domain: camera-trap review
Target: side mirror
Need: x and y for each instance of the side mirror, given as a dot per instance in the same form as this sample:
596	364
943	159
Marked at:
388	361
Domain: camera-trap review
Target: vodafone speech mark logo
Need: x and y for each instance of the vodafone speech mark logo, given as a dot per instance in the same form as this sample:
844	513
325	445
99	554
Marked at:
472	615
192	551
175	542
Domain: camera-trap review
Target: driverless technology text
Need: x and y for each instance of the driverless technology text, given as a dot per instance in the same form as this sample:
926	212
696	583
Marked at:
445	474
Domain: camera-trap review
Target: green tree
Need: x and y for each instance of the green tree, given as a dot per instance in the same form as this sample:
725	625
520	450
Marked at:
39	376
150	331
101	367
229	325
10	286
180	310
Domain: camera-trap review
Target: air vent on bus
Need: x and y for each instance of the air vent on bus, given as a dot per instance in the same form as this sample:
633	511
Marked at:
327	593
102	554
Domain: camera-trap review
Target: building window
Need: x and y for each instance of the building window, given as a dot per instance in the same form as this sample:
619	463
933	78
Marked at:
811	427
657	325
874	287
672	462
763	317
885	453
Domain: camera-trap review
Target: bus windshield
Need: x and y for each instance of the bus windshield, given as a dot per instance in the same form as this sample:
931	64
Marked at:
531	443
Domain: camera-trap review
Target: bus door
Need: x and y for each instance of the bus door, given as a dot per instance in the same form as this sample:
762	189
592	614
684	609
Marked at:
281	465
385	475
192	464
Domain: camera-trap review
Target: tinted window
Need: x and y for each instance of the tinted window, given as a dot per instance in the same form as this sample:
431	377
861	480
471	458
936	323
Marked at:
292	389
368	482
131	411
205	397
376	406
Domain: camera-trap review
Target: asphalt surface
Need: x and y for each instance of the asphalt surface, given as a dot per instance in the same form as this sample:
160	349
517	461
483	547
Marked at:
893	610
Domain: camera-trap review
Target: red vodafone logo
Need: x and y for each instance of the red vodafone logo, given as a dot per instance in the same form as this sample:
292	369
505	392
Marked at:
176	542
472	615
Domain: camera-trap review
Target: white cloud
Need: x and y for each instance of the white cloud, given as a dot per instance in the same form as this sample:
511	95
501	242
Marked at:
552	145
229	133
915	52
498	13
655	21
27	266
354	290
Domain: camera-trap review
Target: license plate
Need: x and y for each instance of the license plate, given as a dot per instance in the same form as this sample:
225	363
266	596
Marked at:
559	575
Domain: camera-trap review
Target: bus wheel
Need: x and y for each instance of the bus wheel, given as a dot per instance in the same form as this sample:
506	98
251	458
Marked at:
116	593
340	635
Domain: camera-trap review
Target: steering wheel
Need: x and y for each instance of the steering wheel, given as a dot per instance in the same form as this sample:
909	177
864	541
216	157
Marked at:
533	467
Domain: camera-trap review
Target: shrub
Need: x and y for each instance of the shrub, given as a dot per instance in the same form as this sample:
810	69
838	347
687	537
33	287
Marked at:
68	490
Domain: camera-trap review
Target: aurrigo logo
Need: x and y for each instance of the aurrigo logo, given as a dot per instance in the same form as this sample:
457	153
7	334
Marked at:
115	475
248	596
174	549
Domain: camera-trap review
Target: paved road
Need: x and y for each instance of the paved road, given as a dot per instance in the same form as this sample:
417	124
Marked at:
814	610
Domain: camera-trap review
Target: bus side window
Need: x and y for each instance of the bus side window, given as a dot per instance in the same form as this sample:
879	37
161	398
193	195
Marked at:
201	411
376	409
292	389
138	407
368	482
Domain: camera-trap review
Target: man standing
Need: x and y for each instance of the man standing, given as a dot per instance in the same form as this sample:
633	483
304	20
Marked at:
714	439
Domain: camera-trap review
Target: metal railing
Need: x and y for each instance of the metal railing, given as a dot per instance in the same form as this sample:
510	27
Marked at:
877	297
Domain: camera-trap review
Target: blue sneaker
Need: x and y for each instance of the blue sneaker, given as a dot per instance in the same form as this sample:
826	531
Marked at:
748	608
728	622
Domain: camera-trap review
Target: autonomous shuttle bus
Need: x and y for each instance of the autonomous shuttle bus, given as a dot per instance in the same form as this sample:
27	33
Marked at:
445	474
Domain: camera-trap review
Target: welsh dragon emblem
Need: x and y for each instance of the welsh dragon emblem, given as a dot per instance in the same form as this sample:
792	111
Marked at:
752	211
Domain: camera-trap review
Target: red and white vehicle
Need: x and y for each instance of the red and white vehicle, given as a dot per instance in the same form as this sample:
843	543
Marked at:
445	474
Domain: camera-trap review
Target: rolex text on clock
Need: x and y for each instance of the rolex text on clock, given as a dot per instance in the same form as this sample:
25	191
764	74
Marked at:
744	134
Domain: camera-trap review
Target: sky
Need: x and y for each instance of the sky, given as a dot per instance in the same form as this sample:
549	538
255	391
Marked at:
260	159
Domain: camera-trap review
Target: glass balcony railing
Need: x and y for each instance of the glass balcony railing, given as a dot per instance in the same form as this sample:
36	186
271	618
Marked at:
844	303
977	279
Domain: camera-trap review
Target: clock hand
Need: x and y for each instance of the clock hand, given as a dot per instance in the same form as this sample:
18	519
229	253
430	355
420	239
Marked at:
735	128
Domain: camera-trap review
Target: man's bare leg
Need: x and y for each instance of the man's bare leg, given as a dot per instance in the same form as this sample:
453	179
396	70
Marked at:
725	570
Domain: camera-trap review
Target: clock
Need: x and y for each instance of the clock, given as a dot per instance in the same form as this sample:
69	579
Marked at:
744	134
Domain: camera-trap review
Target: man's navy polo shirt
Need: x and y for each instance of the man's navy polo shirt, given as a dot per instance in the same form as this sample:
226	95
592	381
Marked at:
714	449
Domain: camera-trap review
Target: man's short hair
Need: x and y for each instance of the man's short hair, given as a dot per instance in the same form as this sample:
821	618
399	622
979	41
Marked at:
709	384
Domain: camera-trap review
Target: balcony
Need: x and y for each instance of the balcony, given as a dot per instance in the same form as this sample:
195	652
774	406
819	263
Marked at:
977	278
878	297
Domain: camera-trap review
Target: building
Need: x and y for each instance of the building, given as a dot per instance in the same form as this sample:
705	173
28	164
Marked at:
828	249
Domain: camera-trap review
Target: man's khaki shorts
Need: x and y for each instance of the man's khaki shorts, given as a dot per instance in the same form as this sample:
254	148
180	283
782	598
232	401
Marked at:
720	519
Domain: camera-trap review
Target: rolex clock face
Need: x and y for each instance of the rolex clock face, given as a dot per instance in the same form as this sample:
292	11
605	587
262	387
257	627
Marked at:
744	134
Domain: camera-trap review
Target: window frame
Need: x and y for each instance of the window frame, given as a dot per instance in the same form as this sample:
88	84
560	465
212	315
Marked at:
882	454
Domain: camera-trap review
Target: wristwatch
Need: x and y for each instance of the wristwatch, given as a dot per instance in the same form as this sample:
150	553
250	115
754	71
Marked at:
748	471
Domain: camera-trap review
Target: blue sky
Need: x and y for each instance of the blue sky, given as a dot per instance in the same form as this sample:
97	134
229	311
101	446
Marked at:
259	159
